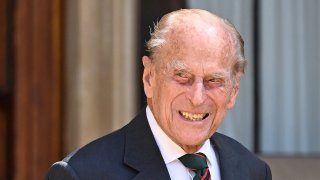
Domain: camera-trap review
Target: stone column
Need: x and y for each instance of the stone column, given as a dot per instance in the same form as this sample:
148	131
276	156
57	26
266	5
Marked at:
99	68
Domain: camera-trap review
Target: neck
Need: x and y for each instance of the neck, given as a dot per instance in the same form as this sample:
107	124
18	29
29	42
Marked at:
190	149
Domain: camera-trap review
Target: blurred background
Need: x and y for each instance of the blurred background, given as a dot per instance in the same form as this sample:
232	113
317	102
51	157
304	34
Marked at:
70	72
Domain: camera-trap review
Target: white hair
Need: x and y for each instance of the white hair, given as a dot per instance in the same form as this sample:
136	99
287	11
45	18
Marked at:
162	27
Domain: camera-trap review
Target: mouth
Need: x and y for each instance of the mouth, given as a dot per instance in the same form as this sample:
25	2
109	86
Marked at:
193	116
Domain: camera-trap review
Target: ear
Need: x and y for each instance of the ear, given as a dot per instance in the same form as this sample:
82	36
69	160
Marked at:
234	93
147	76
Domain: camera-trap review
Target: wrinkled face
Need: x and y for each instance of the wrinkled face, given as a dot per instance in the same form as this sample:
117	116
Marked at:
190	87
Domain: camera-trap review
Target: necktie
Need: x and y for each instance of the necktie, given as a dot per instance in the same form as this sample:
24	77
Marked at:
198	163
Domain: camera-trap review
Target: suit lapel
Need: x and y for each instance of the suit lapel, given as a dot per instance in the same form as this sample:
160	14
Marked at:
142	152
228	161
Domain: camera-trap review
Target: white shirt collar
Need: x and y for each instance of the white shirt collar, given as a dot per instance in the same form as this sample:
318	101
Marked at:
170	151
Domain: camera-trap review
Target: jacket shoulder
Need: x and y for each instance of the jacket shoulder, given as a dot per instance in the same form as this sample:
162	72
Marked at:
62	171
99	158
231	146
232	154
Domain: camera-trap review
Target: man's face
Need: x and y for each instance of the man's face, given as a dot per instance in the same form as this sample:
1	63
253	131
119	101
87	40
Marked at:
190	88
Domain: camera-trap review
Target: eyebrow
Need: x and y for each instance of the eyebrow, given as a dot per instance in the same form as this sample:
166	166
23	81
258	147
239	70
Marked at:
179	65
219	75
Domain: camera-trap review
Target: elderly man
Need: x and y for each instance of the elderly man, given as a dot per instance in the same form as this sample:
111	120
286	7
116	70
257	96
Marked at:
191	79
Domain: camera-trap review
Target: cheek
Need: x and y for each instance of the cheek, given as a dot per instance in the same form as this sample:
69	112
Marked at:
162	98
176	96
167	99
163	101
221	100
221	97
167	91
158	92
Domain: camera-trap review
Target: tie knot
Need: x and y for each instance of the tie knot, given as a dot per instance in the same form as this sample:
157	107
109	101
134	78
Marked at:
195	161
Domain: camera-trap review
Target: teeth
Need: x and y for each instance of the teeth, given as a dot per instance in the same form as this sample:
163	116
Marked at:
192	116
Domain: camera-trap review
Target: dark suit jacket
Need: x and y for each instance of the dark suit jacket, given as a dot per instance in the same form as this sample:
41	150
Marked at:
132	153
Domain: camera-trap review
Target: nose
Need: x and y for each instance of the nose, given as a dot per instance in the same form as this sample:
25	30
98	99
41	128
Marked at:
197	94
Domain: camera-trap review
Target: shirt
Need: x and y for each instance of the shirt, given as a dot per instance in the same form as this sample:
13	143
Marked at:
170	152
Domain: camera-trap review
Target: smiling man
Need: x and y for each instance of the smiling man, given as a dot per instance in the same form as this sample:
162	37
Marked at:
191	79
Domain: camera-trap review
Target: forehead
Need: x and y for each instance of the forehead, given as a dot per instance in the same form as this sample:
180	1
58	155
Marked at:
198	43
199	68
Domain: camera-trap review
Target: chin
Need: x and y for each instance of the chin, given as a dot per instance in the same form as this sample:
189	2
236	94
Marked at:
188	141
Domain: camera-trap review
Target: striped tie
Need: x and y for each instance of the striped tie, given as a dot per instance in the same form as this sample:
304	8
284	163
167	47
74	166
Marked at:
198	163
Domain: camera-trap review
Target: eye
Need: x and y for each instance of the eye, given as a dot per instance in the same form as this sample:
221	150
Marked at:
181	77
215	82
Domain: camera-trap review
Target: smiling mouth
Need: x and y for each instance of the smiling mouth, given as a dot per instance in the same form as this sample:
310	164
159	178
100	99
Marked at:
193	116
